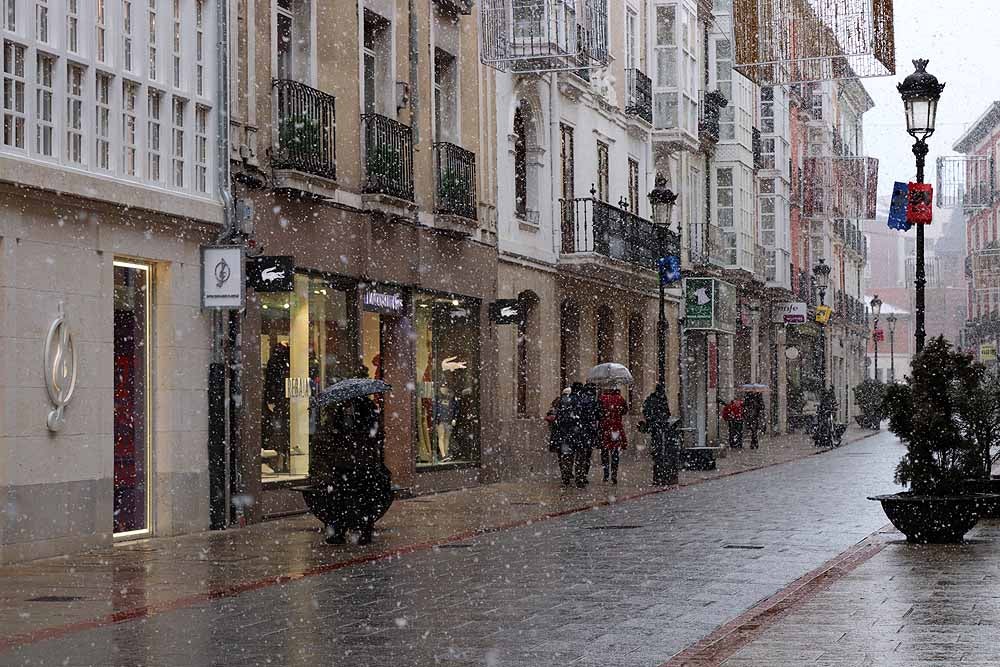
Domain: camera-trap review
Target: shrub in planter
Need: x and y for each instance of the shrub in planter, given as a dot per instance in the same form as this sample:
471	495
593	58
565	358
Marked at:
869	395
947	414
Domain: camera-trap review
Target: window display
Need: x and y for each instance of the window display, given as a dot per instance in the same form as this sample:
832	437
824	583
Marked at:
447	380
306	343
131	343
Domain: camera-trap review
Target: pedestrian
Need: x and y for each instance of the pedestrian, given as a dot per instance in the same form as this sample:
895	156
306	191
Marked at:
662	438
753	416
589	411
732	413
612	432
560	434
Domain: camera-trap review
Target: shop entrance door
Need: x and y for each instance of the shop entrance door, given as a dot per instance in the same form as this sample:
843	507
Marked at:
132	392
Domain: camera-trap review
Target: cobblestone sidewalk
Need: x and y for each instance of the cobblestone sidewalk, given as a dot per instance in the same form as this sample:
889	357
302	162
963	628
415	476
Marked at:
138	580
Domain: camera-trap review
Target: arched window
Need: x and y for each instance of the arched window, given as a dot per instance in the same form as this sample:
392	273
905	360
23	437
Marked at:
605	335
521	160
569	343
636	357
526	355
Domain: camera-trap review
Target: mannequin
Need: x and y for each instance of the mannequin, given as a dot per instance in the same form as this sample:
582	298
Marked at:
445	413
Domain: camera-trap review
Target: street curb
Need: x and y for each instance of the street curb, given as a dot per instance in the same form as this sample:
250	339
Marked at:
720	645
42	634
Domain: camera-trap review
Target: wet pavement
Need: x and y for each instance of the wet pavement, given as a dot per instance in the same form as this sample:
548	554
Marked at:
621	583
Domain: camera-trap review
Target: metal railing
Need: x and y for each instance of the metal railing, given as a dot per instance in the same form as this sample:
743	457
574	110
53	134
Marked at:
388	156
305	124
592	226
640	95
455	176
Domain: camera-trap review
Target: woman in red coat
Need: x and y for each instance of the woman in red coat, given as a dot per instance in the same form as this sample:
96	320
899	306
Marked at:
613	440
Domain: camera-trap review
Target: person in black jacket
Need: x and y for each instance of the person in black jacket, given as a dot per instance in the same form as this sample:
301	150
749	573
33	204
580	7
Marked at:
590	413
753	416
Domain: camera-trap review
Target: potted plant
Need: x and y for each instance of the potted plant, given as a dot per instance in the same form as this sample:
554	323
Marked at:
946	414
869	396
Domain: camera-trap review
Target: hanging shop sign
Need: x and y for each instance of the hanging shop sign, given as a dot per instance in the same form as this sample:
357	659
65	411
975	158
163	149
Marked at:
274	273
709	304
792	312
669	269
60	369
383	301
988	352
878	335
823	314
505	311
920	203
222	283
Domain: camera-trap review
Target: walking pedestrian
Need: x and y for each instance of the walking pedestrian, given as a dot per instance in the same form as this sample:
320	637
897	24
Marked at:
612	430
561	426
732	414
753	416
662	438
589	411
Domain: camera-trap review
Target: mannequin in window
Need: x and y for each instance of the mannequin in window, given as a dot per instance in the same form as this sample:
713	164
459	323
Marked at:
445	413
425	414
275	409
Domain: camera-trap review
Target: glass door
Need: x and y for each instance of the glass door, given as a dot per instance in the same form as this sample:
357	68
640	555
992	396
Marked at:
132	396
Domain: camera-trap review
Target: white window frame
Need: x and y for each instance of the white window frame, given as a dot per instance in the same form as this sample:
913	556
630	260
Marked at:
14	96
104	84
101	29
76	115
128	39
154	135
202	151
131	108
45	106
178	142
73	35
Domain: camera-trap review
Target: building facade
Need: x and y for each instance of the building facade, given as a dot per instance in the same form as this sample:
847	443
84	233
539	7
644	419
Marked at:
108	178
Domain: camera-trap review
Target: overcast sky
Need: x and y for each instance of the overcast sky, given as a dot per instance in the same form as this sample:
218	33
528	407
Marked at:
962	42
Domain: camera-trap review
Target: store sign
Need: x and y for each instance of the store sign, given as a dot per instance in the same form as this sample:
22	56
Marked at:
709	304
823	314
505	311
60	369
793	312
271	273
920	203
988	352
383	301
222	284
879	335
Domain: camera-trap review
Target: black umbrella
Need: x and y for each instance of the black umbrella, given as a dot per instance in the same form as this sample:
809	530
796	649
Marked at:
345	390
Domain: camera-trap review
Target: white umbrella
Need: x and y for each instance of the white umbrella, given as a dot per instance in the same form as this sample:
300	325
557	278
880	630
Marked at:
609	374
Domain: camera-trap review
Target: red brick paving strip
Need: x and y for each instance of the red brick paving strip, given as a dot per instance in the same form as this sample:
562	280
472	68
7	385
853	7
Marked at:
724	642
146	611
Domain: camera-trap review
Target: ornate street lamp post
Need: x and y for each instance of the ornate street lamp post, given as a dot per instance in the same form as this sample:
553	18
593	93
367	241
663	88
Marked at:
822	274
876	310
662	200
920	92
891	321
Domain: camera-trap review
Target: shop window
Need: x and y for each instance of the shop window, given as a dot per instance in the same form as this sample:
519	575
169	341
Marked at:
447	380
132	394
307	342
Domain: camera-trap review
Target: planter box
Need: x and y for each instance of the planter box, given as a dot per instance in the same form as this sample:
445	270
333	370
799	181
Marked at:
934	519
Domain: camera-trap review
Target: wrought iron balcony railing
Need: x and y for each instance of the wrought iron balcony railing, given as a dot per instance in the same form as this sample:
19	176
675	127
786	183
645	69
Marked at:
640	95
592	226
305	129
388	159
455	176
456	6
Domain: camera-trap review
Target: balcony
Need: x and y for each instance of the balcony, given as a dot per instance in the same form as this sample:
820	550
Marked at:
757	143
710	107
305	130
640	95
455	177
590	226
388	146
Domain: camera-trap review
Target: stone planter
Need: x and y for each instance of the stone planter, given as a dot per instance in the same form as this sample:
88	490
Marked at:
933	519
990	509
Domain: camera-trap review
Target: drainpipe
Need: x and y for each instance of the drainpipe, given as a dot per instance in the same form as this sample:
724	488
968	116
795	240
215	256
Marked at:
414	47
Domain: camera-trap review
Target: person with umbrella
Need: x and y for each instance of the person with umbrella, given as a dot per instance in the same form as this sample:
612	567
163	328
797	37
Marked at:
612	432
351	485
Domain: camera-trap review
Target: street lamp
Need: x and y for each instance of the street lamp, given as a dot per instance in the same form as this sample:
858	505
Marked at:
920	92
665	452
821	272
662	200
891	321
876	310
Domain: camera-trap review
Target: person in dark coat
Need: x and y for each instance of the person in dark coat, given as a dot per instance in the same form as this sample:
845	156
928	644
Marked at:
662	436
347	464
560	432
589	412
753	416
